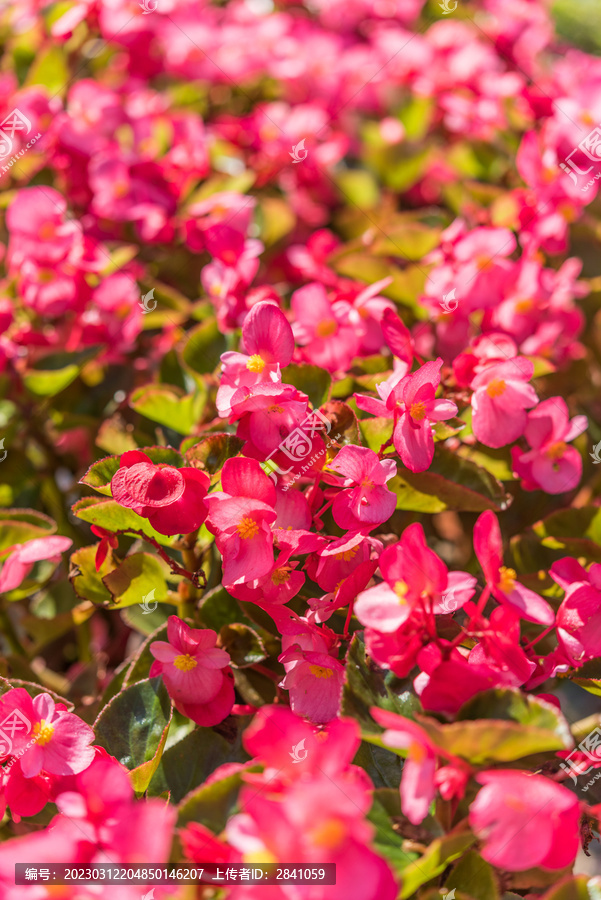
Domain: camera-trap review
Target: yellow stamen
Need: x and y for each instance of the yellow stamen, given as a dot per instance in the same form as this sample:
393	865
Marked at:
275	409
417	411
523	306
346	555
281	576
259	857
247	527
326	328
507	579
185	662
401	589
329	835
321	671
42	732
557	450
255	363
47	231
496	387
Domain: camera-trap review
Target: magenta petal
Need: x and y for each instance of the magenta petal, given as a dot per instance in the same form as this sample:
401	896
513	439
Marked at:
267	332
381	609
43	548
528	605
13	572
246	478
414	443
216	710
418	787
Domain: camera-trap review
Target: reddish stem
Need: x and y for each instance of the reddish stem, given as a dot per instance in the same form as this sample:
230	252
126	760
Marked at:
349	616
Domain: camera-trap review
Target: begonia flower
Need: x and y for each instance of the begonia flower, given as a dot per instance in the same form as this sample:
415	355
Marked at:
196	672
171	499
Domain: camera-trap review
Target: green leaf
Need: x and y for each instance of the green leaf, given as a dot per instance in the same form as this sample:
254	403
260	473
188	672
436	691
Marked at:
311	380
501	725
387	842
52	374
592	685
169	406
459	483
212	452
243	645
416	117
383	767
50	69
87	582
574	887
434	861
132	724
376	431
212	804
408	498
100	473
108	514
366	685
142	775
277	219
204	347
410	240
187	764
359	187
477	875
138	575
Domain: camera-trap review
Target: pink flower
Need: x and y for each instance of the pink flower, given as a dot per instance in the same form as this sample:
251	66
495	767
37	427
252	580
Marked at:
550	465
418	787
415	394
269	344
414	577
195	671
22	558
370	502
51	738
500	400
501	580
171	499
323	329
525	821
314	676
241	516
579	616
